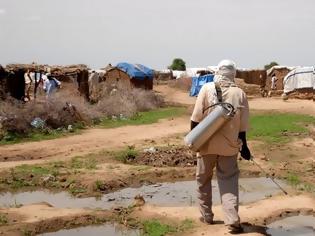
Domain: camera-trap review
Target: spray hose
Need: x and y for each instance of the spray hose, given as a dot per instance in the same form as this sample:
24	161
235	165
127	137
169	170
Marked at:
228	106
268	176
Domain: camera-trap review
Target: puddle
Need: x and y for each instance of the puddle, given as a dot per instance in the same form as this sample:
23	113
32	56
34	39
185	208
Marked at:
108	230
293	226
164	194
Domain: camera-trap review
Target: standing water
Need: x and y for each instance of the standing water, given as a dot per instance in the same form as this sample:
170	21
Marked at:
164	194
108	230
293	226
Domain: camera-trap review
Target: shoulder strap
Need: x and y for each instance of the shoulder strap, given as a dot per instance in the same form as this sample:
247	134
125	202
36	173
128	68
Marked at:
219	91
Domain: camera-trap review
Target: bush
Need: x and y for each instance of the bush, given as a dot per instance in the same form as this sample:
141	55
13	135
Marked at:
126	101
66	108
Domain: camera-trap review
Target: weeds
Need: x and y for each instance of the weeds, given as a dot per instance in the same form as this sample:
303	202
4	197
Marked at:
75	190
186	224
67	111
83	163
155	228
293	179
125	155
101	186
26	232
3	219
144	117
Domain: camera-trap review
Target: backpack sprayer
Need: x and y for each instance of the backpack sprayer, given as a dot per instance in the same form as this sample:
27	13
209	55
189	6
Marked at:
222	113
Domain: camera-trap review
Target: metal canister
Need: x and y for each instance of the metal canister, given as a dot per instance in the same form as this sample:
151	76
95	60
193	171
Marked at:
209	126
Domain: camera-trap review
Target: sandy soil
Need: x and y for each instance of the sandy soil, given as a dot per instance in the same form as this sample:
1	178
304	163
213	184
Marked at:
89	141
41	217
255	214
274	159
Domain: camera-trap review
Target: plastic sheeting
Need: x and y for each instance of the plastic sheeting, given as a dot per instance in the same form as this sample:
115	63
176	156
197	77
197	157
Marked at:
136	71
299	78
198	82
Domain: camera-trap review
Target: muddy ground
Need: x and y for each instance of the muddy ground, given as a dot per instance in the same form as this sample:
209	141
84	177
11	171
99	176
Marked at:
100	161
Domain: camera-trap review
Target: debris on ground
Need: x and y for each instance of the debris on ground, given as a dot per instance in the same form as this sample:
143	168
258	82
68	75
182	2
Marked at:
38	123
177	156
150	150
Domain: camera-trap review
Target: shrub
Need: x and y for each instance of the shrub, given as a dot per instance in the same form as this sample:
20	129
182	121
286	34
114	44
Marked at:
66	108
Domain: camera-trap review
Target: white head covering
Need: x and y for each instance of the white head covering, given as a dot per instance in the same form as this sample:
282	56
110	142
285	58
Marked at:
226	73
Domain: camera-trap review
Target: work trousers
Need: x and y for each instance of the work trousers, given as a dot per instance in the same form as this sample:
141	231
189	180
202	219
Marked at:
227	175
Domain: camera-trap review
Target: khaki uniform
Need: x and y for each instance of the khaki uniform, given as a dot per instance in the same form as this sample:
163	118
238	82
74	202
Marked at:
221	152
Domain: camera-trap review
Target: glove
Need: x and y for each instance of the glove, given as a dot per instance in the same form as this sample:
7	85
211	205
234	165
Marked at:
245	153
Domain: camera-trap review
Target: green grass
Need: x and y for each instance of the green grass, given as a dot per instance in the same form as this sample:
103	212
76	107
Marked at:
12	138
126	154
293	179
147	117
278	127
155	228
83	163
140	118
37	170
29	175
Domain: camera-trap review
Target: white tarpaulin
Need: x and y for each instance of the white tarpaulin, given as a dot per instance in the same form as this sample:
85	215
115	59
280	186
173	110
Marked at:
299	78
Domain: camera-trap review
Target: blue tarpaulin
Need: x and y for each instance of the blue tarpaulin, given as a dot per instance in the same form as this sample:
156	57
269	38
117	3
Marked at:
137	71
198	82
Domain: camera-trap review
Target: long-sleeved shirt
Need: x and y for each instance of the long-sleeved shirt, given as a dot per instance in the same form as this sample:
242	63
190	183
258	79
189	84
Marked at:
225	141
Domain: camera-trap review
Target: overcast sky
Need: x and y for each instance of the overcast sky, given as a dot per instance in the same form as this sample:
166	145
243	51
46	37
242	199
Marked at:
153	32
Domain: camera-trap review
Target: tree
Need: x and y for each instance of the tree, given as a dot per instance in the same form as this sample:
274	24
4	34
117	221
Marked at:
178	64
270	65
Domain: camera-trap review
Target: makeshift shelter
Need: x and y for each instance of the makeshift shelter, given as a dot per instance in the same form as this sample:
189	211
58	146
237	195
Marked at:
257	77
71	76
198	82
131	75
280	72
163	75
301	78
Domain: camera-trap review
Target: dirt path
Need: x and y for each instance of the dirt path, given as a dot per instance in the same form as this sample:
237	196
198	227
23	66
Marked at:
92	140
277	104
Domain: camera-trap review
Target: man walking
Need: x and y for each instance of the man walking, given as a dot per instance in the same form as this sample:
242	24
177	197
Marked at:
222	148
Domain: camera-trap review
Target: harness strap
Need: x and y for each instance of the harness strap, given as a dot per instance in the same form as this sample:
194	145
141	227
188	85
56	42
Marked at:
219	91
